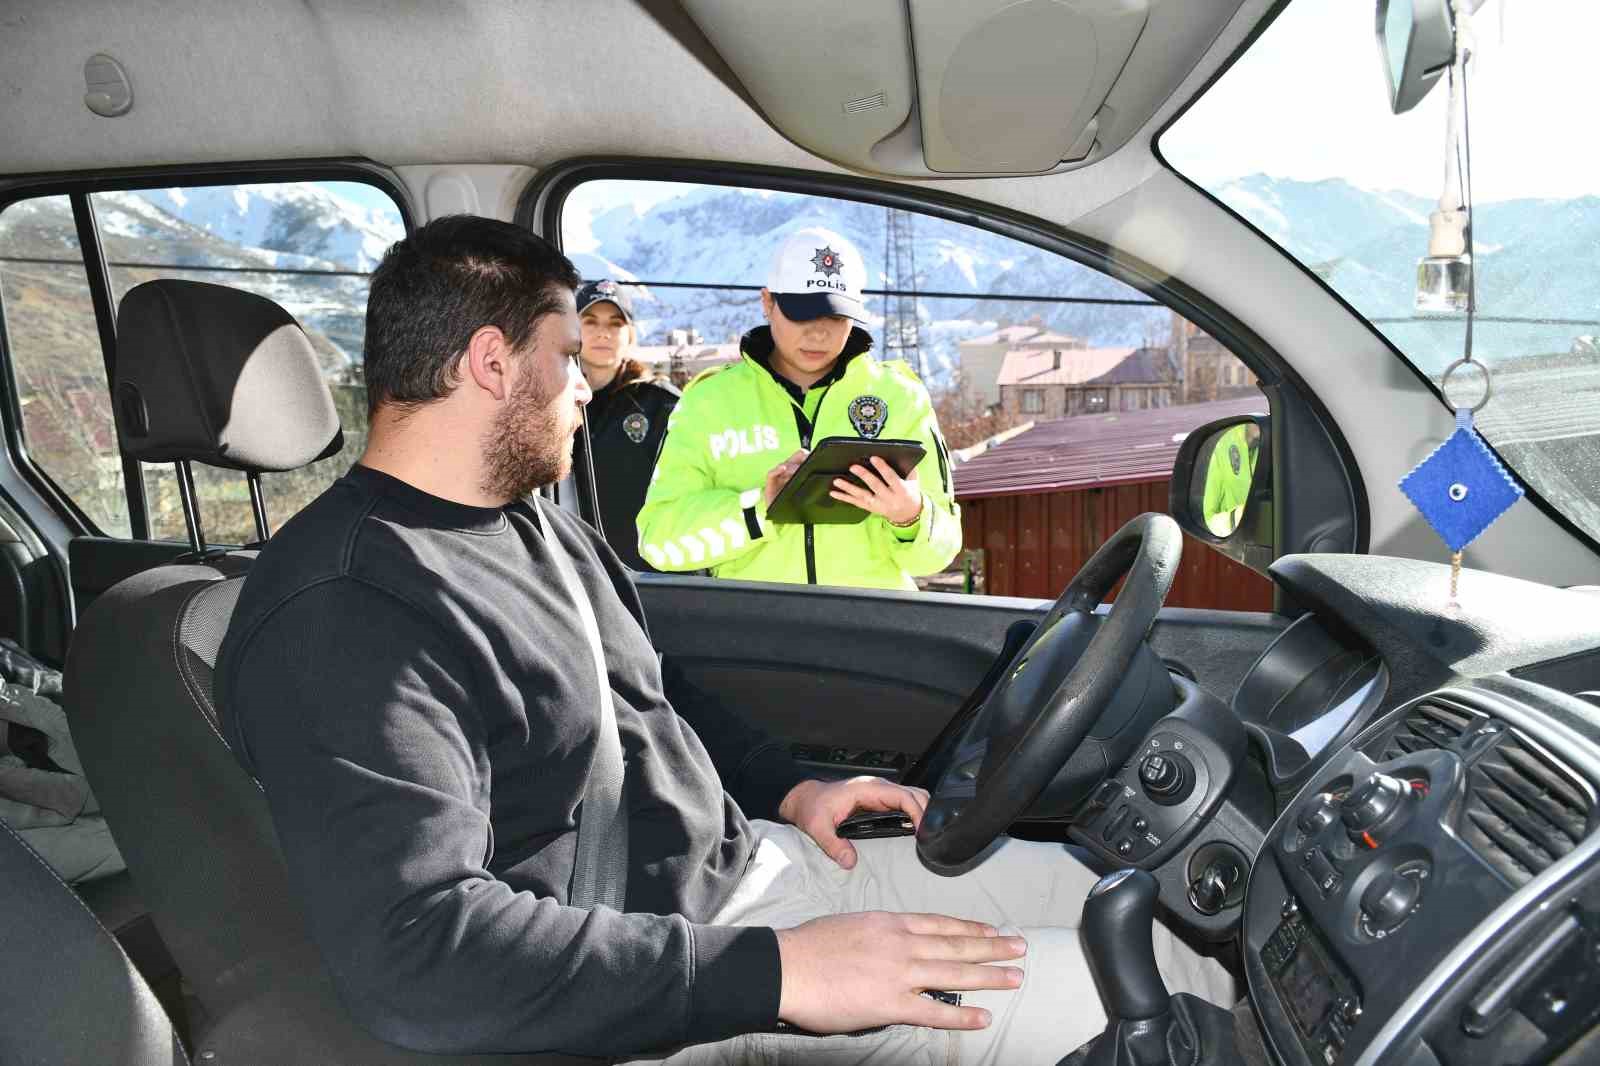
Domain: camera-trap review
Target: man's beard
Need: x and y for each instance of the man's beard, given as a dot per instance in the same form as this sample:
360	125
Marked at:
529	445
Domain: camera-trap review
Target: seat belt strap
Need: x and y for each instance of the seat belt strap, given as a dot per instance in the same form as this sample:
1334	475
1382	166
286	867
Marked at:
600	869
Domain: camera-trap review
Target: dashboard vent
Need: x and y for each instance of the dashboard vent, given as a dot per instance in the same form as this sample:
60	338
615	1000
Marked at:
1428	725
1524	810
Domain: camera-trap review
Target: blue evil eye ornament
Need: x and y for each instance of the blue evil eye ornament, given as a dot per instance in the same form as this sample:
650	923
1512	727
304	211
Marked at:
1461	488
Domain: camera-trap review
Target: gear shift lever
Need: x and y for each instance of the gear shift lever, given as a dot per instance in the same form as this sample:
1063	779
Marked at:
1144	1026
1117	919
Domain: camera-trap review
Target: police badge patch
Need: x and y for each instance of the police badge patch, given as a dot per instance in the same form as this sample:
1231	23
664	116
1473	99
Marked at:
826	261
1234	460
868	414
636	426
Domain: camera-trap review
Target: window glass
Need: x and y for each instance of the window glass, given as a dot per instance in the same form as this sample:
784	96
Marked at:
309	246
1298	138
60	373
1061	394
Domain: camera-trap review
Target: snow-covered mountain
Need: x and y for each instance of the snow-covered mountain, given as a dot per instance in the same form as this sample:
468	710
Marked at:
305	225
1534	260
302	227
722	236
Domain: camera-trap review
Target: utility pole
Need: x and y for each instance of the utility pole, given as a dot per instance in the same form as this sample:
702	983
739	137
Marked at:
901	333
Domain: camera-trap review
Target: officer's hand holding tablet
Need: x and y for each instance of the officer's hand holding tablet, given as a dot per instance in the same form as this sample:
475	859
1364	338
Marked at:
844	479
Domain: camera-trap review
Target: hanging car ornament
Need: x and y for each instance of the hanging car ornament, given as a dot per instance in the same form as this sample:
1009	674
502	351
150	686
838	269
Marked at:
1444	275
1461	488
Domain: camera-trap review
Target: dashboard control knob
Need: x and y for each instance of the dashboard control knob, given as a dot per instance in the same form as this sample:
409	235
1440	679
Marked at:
1372	804
1389	901
1166	777
1318	815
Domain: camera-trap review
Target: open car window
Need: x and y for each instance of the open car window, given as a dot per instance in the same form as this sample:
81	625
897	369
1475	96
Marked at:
1062	393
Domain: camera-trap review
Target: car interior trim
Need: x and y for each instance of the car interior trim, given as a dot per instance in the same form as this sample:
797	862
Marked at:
1579	753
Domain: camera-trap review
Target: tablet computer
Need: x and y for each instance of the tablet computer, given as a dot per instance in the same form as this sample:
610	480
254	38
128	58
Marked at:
805	499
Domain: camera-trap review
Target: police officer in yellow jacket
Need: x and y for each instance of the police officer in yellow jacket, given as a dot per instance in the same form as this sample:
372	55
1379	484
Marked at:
741	431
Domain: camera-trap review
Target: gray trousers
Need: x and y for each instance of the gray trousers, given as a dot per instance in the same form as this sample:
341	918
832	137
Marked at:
1035	889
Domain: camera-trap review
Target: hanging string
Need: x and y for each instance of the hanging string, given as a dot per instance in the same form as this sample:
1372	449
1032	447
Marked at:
1463	160
1464	46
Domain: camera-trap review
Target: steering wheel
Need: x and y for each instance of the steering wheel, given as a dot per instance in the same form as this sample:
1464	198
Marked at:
1049	697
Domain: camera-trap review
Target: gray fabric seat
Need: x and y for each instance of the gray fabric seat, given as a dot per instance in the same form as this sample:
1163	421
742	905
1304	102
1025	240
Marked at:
193	826
68	993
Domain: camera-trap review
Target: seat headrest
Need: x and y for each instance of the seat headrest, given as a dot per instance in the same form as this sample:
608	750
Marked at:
220	376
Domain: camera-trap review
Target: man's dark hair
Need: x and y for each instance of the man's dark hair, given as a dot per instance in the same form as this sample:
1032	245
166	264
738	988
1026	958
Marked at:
442	284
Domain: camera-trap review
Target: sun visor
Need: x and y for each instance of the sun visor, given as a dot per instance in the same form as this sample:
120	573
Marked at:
931	88
834	76
1011	87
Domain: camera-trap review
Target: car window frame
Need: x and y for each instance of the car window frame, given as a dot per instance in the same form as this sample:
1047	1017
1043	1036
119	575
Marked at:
540	205
35	480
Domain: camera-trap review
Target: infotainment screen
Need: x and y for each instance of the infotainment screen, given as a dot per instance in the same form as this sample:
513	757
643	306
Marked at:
1307	987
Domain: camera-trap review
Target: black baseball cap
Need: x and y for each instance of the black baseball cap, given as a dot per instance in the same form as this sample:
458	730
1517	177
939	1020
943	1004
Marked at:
593	292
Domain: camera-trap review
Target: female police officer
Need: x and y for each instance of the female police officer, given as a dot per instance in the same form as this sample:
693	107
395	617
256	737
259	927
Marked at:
740	432
627	416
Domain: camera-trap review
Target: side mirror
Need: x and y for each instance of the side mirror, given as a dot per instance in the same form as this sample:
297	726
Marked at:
1221	488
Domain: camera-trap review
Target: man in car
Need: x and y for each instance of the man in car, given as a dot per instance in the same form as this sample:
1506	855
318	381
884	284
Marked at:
741	432
412	674
627	414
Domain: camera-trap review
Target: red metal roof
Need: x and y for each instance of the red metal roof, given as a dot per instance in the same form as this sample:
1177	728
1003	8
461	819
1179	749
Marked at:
1089	450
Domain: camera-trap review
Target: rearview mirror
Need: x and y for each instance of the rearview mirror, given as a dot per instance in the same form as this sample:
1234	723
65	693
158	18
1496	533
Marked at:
1221	488
1416	39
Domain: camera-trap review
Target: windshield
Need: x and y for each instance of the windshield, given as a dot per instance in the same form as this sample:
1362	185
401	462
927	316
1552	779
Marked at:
1297	137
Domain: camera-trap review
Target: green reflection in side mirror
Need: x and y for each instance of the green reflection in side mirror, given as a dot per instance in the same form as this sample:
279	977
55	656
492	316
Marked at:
1223	469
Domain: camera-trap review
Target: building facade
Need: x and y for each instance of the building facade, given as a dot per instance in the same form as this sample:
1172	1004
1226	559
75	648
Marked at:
1061	383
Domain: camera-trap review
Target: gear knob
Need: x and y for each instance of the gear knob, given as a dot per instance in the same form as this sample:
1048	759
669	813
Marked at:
1117	920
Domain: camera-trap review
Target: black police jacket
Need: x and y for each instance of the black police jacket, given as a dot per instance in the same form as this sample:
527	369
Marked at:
627	422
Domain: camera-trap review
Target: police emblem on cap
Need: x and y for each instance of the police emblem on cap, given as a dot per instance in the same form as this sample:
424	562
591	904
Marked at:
868	414
636	426
826	261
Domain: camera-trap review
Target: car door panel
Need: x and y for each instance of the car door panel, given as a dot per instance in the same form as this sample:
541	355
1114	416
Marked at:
883	671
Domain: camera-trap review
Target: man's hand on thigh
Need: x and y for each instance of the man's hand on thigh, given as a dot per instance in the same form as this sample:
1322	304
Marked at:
847	972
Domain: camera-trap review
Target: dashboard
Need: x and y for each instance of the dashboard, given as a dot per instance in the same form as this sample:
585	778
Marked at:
1409	853
1394	819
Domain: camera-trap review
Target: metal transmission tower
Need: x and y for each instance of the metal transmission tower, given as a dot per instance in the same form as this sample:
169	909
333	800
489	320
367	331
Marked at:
901	335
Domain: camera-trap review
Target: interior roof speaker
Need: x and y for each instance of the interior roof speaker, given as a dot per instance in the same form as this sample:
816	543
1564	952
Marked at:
1011	86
